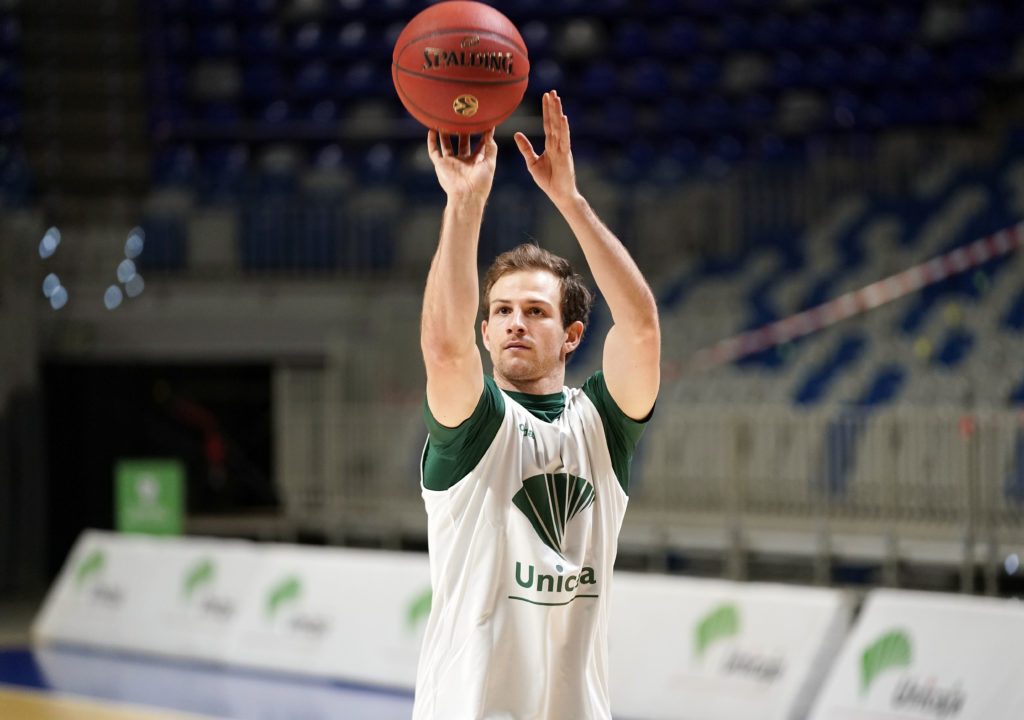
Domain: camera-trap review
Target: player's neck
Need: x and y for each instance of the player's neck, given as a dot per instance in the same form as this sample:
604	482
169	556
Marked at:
537	386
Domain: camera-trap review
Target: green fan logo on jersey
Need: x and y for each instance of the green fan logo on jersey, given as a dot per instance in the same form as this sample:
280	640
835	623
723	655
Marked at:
550	501
890	650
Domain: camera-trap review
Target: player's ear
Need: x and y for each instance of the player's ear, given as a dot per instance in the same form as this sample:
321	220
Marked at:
483	333
573	336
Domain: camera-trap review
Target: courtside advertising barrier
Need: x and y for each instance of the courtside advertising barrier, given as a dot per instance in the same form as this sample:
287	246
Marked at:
680	648
718	650
929	656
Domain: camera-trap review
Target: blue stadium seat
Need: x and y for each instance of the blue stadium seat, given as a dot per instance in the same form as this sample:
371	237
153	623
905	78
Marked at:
545	75
885	385
323	113
10	34
856	26
631	39
898	24
789	70
704	73
352	40
1017	394
773	32
212	8
870	66
599	80
648	79
314	80
537	36
275	113
220	114
365	78
260	41
680	39
165	249
736	32
812	29
15	177
954	348
1013	318
915	65
175	166
985	19
309	40
214	40
828	69
224	172
263	81
378	164
247	10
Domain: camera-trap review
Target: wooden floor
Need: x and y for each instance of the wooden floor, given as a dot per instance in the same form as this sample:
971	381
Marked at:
20	704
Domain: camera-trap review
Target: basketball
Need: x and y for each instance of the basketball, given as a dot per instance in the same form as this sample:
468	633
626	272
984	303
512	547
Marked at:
460	67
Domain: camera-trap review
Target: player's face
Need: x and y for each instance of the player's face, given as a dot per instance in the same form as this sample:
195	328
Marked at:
524	332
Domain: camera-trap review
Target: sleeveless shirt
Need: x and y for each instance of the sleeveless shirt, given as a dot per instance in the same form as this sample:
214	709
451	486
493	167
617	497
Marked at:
522	547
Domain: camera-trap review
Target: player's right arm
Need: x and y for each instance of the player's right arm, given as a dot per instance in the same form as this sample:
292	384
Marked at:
451	297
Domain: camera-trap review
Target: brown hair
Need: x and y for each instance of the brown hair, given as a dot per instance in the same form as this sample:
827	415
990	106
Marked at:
576	298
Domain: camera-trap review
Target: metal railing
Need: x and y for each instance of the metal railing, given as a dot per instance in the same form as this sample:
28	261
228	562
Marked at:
900	485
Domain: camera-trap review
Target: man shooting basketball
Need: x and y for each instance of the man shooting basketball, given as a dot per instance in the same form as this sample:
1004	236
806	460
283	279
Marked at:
525	481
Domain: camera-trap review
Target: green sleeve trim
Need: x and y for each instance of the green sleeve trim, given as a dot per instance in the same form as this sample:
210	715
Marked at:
620	431
451	453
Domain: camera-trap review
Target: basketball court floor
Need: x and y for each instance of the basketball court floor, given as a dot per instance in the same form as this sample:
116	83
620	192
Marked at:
51	683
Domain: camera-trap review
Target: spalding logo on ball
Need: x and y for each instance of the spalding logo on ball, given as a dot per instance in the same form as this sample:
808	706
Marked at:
460	67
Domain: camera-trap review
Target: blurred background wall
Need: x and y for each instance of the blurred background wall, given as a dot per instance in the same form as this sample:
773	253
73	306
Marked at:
758	157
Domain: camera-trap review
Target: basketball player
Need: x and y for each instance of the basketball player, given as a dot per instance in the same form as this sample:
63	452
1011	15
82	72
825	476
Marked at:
525	481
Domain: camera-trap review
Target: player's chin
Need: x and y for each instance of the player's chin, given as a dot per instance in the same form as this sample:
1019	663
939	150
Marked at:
515	369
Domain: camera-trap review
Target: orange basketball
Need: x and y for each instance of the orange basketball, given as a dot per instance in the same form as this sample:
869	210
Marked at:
460	67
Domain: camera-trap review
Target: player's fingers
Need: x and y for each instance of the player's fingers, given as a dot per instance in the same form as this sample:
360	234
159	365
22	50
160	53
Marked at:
486	145
526	148
547	114
446	145
464	145
563	133
432	148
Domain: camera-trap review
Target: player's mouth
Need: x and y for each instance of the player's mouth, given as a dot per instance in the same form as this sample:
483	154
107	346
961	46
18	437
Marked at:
517	346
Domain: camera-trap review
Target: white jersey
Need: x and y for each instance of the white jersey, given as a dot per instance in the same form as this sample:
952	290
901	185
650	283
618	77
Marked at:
521	557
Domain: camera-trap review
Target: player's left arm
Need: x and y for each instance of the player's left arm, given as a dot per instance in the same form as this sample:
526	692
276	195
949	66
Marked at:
632	348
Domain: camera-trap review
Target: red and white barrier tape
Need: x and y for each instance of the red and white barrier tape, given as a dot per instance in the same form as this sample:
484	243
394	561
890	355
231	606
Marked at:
854	302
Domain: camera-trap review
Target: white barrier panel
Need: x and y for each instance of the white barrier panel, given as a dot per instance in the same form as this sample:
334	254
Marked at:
918	656
198	587
102	596
680	648
357	615
346	614
691	649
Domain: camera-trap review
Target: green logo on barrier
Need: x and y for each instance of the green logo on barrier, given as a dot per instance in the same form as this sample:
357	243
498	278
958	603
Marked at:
722	622
92	565
198	575
287	590
419	609
890	650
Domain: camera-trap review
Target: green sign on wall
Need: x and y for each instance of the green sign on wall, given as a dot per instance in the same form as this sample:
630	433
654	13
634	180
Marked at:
149	496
